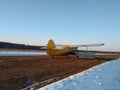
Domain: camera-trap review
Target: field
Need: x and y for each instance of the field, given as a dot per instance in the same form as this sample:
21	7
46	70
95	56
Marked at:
15	72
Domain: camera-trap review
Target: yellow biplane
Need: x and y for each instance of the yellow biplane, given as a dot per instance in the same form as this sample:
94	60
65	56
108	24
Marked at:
53	50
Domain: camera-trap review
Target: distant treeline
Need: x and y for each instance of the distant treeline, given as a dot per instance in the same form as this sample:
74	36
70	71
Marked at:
19	46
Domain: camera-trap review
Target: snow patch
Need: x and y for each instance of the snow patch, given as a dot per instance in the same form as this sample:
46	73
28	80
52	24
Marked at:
21	53
103	77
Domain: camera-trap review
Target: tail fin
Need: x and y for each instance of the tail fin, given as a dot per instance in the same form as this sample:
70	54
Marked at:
51	44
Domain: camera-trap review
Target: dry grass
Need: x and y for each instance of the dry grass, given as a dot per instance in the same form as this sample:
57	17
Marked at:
14	71
108	57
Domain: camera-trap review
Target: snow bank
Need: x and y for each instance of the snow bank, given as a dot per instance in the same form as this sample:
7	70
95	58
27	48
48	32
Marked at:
102	77
21	53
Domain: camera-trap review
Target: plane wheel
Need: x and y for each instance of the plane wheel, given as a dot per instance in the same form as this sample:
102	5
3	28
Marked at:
77	56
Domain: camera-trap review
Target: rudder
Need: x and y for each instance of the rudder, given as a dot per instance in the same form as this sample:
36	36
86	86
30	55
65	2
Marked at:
51	44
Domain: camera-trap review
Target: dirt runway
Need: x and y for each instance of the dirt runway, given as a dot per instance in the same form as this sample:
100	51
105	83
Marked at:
15	71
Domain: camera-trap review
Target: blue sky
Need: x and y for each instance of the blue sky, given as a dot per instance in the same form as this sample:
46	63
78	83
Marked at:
66	21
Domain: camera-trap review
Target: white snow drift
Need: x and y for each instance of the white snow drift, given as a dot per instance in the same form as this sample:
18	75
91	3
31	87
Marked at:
21	53
102	77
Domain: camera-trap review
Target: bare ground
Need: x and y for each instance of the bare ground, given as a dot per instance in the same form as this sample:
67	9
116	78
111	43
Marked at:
15	71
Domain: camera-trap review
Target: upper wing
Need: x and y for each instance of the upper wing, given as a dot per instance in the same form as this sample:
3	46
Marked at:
83	45
88	45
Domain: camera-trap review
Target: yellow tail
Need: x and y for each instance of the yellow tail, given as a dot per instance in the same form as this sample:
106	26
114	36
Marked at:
51	44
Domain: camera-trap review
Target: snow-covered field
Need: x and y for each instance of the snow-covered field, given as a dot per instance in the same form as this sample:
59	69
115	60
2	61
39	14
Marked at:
102	77
21	53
